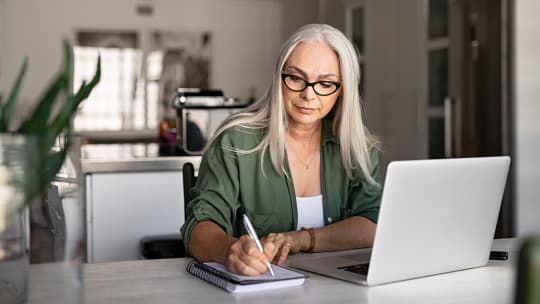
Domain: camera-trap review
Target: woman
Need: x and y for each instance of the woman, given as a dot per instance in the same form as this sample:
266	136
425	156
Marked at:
299	162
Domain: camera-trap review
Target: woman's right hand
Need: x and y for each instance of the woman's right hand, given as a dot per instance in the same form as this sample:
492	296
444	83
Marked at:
243	257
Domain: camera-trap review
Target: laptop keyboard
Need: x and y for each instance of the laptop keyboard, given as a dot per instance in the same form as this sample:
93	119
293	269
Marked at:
357	268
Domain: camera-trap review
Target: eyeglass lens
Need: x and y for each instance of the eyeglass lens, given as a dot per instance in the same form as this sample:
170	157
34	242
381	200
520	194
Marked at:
298	84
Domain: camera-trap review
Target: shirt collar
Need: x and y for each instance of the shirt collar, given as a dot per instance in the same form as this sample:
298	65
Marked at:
327	132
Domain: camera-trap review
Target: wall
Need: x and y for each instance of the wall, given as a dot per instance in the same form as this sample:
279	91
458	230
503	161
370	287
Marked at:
246	35
297	13
3	51
2	34
335	13
394	88
526	113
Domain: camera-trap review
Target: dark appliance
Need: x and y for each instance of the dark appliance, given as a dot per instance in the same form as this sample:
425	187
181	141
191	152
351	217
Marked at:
198	115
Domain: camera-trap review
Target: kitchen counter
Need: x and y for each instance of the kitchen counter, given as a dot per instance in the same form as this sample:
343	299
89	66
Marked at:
132	178
116	158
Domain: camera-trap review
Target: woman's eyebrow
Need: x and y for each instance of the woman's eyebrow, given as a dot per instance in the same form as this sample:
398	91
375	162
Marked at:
304	74
297	69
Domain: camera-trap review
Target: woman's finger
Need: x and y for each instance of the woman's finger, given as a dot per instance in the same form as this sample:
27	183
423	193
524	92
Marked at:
252	255
284	253
245	258
270	248
237	265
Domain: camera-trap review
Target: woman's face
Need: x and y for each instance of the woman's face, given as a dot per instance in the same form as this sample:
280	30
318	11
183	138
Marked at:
312	62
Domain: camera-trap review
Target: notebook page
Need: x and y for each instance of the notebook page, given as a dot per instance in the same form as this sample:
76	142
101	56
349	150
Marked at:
280	272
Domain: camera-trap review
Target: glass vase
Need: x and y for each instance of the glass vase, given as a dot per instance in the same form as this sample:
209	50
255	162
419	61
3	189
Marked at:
57	242
14	237
51	237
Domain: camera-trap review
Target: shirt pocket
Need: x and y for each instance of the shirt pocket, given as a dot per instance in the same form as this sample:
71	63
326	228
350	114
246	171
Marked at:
264	224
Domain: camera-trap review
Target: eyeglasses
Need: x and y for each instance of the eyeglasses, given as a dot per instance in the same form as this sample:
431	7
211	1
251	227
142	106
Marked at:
321	88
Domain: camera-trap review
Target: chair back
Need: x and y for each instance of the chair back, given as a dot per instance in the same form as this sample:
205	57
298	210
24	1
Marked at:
189	179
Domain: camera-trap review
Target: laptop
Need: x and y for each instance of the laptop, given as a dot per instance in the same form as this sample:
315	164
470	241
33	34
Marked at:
436	216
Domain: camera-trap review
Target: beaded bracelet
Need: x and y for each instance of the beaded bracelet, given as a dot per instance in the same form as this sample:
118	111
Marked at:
311	238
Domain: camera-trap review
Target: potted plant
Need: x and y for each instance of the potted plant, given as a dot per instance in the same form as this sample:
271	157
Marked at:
30	158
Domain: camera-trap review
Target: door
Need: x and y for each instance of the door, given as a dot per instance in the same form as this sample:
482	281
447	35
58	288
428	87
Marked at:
474	105
475	109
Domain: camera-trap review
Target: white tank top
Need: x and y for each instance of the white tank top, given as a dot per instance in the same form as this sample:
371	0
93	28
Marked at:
310	212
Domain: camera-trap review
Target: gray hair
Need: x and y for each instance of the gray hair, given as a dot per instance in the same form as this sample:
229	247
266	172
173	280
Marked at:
268	112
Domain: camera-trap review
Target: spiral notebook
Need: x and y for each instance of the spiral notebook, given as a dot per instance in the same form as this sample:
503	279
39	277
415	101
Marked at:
217	274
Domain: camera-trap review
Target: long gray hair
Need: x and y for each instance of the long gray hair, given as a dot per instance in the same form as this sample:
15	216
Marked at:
268	112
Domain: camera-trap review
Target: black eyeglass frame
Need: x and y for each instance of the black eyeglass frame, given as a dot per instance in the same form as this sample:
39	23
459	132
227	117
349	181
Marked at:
310	84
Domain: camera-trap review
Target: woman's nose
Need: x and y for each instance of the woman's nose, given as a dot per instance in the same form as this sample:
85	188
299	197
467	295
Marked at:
308	93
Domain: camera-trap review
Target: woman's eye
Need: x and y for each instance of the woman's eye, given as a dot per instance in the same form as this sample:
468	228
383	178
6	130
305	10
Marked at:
326	84
296	78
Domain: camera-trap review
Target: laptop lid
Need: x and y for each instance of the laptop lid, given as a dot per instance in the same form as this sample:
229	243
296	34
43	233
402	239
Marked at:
436	216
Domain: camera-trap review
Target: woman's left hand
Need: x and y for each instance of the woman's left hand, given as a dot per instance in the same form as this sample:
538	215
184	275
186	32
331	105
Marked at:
283	244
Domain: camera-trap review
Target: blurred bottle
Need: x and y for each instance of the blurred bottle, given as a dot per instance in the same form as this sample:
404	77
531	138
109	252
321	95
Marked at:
527	290
167	137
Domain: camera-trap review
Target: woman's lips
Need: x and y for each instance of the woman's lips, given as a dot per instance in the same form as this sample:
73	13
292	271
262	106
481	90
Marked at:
305	110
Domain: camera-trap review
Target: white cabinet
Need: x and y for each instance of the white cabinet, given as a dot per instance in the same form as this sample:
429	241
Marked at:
123	207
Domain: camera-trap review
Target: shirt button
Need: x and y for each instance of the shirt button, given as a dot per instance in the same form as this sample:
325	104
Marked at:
329	219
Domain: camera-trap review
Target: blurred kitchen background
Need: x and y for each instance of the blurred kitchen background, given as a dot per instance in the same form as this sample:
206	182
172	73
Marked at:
441	78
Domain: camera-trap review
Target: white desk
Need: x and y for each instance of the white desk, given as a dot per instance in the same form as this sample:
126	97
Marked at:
166	281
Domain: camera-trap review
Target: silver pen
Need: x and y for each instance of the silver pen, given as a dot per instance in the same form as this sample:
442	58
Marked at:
252	234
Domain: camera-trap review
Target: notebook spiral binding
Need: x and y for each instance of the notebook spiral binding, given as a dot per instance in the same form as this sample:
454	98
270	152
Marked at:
207	274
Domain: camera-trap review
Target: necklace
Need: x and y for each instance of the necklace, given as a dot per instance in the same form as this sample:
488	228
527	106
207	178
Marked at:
306	164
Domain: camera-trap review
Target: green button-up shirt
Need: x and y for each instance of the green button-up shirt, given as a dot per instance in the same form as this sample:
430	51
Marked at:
230	184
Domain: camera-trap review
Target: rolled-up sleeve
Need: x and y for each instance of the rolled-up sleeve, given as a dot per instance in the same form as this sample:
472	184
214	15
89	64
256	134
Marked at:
365	198
216	190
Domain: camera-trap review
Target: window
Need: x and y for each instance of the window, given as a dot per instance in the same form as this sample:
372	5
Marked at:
138	82
118	102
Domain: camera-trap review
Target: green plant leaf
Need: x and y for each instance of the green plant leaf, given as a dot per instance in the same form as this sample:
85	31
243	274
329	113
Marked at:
7	110
63	118
48	164
38	120
42	162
